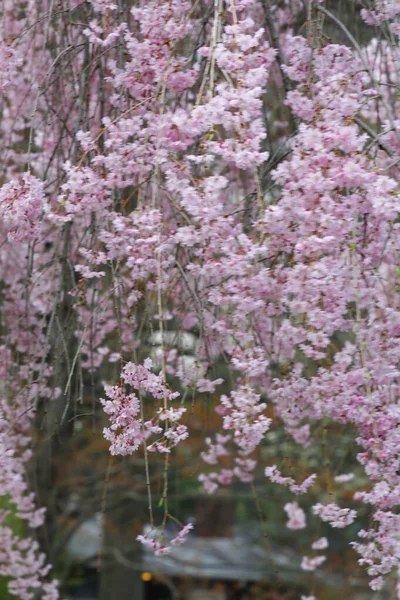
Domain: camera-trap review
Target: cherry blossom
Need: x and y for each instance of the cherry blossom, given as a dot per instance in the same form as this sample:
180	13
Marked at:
334	515
297	517
158	197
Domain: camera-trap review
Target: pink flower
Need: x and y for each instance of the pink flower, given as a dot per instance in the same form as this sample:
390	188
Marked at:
311	564
334	515
297	517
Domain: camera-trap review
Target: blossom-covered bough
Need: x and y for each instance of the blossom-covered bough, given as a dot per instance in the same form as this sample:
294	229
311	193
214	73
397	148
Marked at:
148	189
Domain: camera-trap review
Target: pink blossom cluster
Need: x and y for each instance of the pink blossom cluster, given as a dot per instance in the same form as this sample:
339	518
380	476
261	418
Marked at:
334	515
171	211
384	10
311	564
9	62
242	416
83	193
276	476
155	542
22	203
297	517
128	428
379	552
21	562
242	413
243	471
155	545
320	544
216	449
25	566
